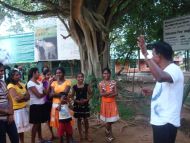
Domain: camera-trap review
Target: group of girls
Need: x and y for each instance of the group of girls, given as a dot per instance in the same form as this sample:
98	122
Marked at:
50	98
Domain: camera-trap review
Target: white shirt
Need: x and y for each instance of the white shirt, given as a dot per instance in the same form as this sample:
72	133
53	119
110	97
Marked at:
167	98
64	112
33	98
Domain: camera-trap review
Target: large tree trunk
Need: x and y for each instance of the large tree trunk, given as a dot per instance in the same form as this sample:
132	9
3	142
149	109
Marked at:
88	31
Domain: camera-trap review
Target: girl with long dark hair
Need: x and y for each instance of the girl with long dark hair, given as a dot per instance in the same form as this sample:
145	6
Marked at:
47	81
60	88
20	96
38	112
82	93
109	110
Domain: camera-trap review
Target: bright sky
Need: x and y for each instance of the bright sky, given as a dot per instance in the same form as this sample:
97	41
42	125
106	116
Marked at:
3	28
6	24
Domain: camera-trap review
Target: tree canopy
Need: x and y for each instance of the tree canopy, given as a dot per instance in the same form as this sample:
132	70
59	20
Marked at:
146	18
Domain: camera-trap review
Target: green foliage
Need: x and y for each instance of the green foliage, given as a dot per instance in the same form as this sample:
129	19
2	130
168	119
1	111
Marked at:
73	82
187	101
95	101
125	112
123	45
186	91
145	17
16	19
145	110
17	28
26	5
2	15
26	67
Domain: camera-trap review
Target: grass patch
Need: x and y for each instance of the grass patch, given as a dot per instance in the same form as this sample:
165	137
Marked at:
187	101
145	110
126	112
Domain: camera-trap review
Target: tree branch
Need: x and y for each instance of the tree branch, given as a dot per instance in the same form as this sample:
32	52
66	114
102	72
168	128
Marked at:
64	23
112	9
102	7
46	2
116	4
125	9
65	37
31	13
76	6
62	6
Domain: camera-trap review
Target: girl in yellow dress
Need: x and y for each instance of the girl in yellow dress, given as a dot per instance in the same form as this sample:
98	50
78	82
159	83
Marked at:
20	96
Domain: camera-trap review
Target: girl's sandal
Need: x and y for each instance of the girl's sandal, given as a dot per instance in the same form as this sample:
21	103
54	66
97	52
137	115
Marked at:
109	139
107	132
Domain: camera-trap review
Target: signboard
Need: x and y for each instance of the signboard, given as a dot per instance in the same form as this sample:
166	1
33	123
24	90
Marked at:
46	40
50	45
177	32
68	50
17	48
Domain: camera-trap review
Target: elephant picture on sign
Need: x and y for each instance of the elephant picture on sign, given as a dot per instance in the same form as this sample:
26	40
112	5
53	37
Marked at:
46	49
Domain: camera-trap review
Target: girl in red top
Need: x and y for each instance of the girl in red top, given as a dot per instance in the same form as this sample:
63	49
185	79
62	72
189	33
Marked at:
108	111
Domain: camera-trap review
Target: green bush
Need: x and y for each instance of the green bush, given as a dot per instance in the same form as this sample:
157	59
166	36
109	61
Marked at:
95	100
126	112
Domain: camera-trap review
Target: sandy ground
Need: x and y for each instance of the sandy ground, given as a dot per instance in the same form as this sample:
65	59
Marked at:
141	132
138	133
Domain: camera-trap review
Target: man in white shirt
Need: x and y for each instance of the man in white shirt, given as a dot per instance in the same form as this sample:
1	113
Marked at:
167	95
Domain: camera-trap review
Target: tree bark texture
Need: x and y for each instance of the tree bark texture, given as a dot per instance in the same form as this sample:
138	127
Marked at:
87	29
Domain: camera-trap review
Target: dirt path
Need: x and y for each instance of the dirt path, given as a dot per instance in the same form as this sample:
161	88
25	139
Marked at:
140	133
136	134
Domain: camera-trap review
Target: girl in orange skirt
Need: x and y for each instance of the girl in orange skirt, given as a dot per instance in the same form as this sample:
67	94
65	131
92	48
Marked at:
108	111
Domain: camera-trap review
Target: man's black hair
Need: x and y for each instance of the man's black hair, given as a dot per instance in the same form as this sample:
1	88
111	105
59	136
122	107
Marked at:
163	49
